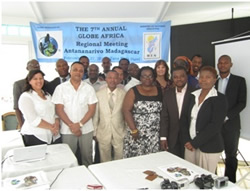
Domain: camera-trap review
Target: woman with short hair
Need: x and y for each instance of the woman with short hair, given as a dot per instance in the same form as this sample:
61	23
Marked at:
141	107
202	121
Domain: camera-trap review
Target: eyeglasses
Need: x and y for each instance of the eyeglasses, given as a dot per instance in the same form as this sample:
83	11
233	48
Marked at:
147	77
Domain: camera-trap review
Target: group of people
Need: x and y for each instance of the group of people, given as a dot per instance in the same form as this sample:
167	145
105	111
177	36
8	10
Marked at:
131	111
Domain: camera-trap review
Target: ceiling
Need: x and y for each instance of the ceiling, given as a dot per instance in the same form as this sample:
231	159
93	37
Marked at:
16	12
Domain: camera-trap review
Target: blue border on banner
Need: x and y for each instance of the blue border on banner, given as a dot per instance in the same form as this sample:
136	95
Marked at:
138	42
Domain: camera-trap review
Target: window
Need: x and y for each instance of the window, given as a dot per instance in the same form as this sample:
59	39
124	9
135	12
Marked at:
15	30
14	58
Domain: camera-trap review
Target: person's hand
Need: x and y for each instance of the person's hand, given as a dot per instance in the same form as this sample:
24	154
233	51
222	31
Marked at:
56	126
164	145
135	134
75	129
78	133
54	129
189	146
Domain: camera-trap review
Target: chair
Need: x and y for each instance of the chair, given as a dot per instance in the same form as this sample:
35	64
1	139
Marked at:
9	121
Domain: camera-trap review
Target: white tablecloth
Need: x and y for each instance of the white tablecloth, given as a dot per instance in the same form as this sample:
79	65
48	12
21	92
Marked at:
10	140
58	156
72	178
128	173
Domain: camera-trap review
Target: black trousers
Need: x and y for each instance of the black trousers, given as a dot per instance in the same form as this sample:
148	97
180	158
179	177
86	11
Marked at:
178	149
31	140
97	154
231	142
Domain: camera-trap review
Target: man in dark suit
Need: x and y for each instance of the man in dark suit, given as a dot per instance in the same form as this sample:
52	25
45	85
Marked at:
62	68
173	101
234	87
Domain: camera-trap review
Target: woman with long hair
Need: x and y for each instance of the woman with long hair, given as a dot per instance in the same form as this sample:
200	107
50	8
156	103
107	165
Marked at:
162	75
41	126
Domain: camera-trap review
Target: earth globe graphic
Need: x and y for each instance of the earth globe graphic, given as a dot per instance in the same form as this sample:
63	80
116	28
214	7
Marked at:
48	45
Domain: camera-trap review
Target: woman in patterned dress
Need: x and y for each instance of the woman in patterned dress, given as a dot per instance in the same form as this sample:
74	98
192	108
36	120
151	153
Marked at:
141	107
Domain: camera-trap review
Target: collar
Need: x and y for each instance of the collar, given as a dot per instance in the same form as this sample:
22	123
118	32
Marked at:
109	91
88	80
182	90
82	83
212	93
67	77
228	76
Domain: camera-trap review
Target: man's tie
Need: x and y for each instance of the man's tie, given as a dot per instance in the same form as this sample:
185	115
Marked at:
64	79
111	101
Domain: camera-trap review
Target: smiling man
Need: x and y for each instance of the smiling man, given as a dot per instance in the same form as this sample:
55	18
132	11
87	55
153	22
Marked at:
108	119
173	101
75	102
62	68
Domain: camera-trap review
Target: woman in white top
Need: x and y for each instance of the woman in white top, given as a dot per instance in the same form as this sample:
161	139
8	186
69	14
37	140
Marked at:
202	121
41	125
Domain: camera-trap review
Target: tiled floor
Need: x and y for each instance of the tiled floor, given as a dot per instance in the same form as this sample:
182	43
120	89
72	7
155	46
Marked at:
243	174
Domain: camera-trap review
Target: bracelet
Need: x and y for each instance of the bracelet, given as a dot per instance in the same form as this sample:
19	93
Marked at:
134	131
80	123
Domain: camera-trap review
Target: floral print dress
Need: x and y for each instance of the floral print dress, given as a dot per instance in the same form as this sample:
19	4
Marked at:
146	114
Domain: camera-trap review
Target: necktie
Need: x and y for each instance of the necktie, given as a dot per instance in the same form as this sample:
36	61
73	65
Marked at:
63	79
111	101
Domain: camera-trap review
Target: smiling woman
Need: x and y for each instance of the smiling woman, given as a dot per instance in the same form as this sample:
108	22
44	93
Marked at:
141	107
40	123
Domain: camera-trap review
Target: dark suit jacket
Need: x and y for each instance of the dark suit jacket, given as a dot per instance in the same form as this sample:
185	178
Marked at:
169	125
236	94
51	86
209	123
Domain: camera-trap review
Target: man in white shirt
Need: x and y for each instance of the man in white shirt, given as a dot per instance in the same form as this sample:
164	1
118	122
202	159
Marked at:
75	102
235	89
96	83
133	70
93	77
173	101
108	119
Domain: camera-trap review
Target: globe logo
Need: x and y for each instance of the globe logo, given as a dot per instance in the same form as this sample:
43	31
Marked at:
151	43
48	45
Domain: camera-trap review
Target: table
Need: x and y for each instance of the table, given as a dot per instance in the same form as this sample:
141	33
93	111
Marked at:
128	173
58	156
72	178
10	140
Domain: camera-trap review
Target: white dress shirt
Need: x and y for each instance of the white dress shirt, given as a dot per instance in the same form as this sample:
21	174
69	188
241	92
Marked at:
34	109
222	84
75	104
106	86
114	94
66	78
95	85
180	98
196	108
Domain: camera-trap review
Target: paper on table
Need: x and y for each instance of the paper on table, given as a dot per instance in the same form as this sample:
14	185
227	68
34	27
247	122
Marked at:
177	172
19	182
